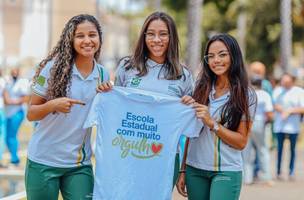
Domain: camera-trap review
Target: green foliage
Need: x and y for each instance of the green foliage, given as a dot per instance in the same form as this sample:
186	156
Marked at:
298	20
176	5
263	24
263	32
222	5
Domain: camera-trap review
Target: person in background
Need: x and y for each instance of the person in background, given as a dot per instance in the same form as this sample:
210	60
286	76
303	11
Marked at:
288	105
2	120
257	143
259	69
15	95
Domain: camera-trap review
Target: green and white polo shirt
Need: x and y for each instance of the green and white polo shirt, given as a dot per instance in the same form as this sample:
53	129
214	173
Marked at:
59	140
154	80
208	151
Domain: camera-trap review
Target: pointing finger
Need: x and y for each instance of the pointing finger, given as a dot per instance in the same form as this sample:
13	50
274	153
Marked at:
75	101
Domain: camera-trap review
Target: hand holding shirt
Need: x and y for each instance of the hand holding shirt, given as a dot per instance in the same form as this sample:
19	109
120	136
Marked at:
138	132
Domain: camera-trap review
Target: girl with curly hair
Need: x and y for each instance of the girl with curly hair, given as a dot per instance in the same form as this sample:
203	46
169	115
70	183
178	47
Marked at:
63	89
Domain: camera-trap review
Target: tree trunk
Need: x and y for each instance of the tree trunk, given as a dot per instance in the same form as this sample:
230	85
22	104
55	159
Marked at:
157	4
193	48
286	34
241	27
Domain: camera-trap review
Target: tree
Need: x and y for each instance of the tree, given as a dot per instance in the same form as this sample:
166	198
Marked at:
261	37
157	4
286	34
193	48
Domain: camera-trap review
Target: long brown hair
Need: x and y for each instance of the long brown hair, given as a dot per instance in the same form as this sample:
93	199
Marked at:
173	68
241	95
63	55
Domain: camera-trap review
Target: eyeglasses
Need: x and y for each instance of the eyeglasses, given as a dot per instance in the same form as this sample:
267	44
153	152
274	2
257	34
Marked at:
211	57
161	36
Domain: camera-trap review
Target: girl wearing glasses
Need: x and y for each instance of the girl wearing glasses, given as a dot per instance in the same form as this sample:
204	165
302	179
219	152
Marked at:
226	105
155	64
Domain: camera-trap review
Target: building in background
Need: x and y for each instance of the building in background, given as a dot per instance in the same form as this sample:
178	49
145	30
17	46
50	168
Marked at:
12	12
29	29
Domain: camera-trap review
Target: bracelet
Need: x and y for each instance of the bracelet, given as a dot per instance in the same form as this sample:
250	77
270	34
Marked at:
182	171
215	128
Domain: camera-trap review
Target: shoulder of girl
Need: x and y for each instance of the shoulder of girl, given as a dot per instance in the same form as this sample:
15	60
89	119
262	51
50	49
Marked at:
48	66
45	73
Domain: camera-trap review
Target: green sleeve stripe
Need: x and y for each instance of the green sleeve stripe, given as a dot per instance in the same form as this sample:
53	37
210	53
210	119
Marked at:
39	94
101	74
219	153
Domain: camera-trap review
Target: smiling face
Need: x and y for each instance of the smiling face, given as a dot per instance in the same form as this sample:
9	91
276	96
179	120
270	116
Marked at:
86	40
218	58
157	40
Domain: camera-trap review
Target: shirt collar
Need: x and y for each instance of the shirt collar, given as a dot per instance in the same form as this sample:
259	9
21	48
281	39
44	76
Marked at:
151	63
94	74
212	93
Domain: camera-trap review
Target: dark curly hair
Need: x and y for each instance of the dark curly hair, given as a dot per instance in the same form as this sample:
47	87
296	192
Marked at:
63	55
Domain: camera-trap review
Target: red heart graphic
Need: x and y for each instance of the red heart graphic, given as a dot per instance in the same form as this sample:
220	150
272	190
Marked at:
156	148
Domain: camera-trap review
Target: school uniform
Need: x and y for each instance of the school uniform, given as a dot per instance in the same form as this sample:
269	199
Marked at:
59	151
211	161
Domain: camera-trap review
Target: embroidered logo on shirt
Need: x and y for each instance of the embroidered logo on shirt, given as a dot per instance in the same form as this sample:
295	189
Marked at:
135	81
173	89
41	80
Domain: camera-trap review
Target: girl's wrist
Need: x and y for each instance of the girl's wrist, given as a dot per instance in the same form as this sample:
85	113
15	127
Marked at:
51	106
211	124
215	127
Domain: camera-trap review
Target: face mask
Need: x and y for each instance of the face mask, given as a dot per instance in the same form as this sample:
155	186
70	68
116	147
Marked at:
14	78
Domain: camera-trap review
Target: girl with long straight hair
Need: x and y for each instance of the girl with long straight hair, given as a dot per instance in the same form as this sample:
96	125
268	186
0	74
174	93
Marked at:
226	105
155	64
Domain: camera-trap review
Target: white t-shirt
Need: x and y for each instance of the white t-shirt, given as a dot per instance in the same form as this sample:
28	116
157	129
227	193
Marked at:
137	135
264	104
59	140
208	151
294	97
16	90
2	87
